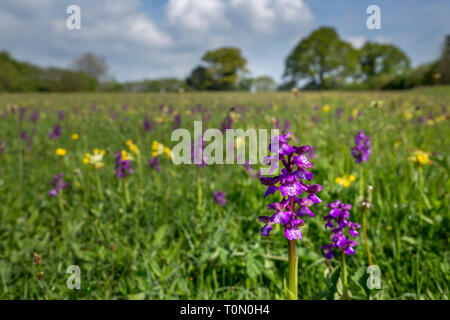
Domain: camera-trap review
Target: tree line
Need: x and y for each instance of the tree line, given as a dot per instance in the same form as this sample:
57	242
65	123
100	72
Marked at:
320	61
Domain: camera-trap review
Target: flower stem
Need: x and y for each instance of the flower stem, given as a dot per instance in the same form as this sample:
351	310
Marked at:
364	213
99	184
125	188
199	193
344	274
366	240
293	271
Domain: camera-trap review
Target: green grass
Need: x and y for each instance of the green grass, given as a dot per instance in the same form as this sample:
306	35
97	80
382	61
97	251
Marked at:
165	248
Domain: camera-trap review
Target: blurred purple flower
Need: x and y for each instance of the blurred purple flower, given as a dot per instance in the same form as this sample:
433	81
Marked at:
362	150
123	167
154	163
219	196
58	185
55	133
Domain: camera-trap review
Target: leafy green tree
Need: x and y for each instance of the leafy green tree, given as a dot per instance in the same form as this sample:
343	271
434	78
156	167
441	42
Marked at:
264	83
323	59
444	63
382	59
91	64
224	66
19	76
200	79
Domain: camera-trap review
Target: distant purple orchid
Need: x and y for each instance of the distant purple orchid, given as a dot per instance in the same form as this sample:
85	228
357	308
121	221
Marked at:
154	163
147	124
362	150
219	196
58	184
291	186
338	220
55	133
123	167
34	117
198	156
176	121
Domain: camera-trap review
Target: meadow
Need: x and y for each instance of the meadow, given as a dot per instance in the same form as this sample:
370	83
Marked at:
149	237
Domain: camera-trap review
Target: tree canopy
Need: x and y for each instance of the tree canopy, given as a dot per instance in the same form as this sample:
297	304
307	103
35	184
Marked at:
377	59
322	59
222	70
91	64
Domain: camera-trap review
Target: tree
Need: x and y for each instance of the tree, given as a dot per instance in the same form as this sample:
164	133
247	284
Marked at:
444	63
264	83
200	79
91	64
382	59
323	59
224	66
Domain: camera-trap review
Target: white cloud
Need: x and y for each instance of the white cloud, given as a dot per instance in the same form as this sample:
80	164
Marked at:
197	15
266	15
357	41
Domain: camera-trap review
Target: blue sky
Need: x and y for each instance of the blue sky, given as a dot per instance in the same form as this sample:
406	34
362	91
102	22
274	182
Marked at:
149	39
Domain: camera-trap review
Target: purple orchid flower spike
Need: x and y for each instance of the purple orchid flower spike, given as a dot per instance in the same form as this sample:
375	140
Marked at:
219	197
338	220
58	184
362	150
291	186
154	163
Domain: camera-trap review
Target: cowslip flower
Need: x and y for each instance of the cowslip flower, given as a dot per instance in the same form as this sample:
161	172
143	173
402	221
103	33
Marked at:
94	160
345	180
339	221
290	184
326	108
157	148
133	148
219	196
362	150
75	136
58	184
123	164
420	157
61	152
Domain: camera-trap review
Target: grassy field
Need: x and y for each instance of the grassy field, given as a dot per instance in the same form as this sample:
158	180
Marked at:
164	244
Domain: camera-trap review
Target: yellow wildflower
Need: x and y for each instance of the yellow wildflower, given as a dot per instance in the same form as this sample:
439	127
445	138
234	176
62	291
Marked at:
345	181
420	157
61	152
75	136
133	147
355	112
168	152
157	148
95	160
326	108
127	156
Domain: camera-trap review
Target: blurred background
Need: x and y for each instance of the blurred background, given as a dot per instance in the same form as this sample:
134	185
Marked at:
247	45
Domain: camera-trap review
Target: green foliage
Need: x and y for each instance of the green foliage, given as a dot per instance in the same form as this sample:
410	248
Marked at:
222	72
382	59
160	248
323	59
18	77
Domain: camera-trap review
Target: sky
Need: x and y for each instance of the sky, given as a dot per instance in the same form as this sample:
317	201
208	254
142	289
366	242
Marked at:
156	38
